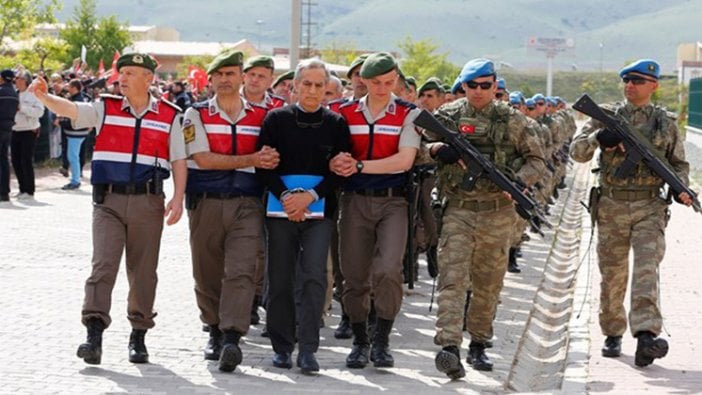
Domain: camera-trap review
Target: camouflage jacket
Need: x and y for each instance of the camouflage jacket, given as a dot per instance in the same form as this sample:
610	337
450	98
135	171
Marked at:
654	123
502	134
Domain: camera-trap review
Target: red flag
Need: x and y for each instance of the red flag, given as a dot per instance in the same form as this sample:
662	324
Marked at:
114	74
101	68
197	77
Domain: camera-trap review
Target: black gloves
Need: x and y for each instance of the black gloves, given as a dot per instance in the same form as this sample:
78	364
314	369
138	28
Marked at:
607	138
447	154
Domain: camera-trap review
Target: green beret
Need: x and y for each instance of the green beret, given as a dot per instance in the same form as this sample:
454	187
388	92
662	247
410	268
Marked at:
283	77
378	64
447	87
137	59
431	83
356	62
411	80
226	58
259	61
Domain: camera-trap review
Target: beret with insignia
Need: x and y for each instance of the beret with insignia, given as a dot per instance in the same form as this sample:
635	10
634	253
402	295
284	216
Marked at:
284	77
137	59
476	68
356	63
226	58
647	67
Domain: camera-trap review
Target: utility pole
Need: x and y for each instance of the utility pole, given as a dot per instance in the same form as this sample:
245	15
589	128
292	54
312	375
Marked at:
307	24
295	34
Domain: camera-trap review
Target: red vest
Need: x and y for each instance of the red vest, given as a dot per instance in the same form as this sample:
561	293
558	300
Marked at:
379	140
223	137
127	149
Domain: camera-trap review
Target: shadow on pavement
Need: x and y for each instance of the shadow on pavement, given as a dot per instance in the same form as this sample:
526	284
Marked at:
154	378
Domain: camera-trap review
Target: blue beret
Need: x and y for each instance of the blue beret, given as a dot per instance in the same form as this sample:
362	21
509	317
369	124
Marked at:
501	83
476	68
516	98
538	97
642	66
456	85
552	100
530	102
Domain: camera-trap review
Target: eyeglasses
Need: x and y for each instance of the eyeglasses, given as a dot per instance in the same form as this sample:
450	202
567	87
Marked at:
531	108
540	103
483	85
499	95
305	125
636	80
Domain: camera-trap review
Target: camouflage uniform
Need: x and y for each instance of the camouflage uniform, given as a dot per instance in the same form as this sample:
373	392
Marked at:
478	224
631	214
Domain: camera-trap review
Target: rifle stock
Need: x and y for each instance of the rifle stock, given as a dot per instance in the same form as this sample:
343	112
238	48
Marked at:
479	166
638	149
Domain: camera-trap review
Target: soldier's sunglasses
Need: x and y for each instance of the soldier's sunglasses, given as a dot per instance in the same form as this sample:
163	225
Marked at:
636	80
499	95
531	108
483	85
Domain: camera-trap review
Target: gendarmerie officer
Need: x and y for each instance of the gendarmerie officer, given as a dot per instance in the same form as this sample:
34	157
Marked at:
373	206
138	142
224	206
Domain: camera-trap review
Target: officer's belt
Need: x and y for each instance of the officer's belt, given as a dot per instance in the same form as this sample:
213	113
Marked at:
478	206
385	192
630	195
130	189
218	195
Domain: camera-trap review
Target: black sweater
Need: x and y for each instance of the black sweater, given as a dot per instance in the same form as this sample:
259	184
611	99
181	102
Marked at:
306	142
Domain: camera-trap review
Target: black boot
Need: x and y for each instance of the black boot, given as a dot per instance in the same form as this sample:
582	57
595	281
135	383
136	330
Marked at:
371	320
343	331
255	318
230	356
380	350
555	194
561	184
214	344
448	361
649	348
358	358
612	347
477	357
518	251
137	348
432	262
512	266
91	350
465	311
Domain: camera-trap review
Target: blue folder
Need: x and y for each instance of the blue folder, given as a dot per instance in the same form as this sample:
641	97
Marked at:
304	181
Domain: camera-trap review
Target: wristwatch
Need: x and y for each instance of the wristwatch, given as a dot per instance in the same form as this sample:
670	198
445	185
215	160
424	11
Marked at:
359	166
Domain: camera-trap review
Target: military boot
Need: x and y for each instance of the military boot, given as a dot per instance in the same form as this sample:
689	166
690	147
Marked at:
371	319
255	318
343	331
137	348
512	266
477	357
230	357
358	358
612	347
91	350
380	350
214	344
448	361
432	261
649	348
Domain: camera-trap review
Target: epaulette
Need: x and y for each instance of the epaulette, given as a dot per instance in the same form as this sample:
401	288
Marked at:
111	96
406	104
258	105
201	104
171	104
348	103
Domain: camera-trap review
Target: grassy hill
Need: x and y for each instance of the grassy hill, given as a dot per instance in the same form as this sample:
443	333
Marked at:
463	28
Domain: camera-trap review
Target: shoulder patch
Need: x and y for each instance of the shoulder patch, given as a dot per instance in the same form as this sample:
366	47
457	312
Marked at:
188	131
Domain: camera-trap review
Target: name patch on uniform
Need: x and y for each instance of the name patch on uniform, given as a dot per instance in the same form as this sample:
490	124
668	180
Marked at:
160	126
188	131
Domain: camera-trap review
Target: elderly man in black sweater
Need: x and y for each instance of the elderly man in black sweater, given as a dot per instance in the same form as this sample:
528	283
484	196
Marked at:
301	203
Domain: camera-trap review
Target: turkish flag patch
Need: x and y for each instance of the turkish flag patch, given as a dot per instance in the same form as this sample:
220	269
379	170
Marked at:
470	129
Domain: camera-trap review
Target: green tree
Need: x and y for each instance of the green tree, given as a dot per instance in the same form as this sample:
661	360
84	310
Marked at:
18	18
100	36
339	52
422	62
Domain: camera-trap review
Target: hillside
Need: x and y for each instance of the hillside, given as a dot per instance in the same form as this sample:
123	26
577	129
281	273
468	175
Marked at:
463	28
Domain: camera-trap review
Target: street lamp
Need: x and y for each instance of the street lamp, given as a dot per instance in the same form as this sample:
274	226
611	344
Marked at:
259	22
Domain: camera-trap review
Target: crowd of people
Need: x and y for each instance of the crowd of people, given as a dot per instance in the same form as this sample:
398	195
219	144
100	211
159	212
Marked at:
296	194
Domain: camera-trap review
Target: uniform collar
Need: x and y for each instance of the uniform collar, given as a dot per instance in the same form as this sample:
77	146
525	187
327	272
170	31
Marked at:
483	111
391	107
213	106
630	108
267	98
153	104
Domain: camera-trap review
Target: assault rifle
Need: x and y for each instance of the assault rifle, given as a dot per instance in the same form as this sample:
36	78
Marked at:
479	166
638	149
